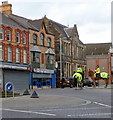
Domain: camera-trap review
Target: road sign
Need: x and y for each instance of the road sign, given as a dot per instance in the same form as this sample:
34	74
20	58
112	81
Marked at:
9	87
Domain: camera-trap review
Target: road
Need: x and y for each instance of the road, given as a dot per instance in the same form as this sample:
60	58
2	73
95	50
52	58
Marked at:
60	103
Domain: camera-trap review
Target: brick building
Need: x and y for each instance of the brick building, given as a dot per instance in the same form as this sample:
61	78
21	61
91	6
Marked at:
69	50
98	54
41	48
14	50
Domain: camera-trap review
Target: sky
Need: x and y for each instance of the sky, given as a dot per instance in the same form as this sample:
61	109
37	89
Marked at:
92	17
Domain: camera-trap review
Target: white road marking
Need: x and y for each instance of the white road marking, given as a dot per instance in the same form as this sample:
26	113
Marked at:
90	114
102	104
75	109
22	111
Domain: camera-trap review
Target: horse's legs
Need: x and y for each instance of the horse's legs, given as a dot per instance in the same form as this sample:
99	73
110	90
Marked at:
94	83
106	82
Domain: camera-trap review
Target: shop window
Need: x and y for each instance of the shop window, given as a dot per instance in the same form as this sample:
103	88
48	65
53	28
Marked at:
9	54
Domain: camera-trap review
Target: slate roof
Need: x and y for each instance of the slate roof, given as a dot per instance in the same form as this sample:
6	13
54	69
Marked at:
7	21
98	48
24	21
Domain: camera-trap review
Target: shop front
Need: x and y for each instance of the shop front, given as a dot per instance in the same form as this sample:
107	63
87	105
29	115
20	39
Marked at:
41	78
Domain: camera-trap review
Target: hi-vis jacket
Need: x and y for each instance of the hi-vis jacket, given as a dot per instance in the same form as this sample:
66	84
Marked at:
79	70
98	70
78	76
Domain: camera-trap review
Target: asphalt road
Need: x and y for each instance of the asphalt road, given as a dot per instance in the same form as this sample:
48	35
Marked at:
60	103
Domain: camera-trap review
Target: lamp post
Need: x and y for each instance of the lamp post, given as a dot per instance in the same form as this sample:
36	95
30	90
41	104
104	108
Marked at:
60	57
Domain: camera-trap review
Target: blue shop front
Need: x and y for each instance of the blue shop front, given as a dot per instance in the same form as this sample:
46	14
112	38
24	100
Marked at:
42	78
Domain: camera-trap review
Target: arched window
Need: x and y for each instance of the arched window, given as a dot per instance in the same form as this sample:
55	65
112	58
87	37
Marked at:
24	38
42	38
34	39
49	42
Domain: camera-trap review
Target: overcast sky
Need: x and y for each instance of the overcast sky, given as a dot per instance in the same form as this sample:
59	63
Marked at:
92	17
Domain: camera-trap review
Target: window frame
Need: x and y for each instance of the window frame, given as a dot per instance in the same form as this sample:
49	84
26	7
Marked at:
1	52
2	33
49	42
18	37
24	38
42	38
9	54
8	35
35	39
17	55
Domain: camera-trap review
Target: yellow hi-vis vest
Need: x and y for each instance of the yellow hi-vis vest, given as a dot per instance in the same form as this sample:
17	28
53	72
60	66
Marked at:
78	76
104	75
79	70
98	70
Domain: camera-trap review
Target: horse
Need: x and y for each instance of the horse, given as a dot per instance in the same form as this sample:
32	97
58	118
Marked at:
93	77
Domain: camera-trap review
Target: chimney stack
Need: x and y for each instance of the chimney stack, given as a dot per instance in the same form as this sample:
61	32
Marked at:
6	8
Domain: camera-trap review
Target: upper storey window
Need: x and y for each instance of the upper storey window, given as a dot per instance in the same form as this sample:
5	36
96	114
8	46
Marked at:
34	39
49	42
9	35
1	34
42	38
24	38
17	37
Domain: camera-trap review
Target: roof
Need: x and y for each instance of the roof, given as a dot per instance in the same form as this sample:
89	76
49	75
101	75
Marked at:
50	51
7	21
24	21
98	48
35	49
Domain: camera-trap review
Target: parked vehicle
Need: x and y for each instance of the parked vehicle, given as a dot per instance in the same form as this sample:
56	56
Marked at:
68	82
89	82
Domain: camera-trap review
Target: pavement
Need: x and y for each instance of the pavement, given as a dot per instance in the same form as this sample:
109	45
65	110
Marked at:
44	101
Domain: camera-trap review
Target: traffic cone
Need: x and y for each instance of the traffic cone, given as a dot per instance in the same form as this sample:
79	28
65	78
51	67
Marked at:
26	92
34	95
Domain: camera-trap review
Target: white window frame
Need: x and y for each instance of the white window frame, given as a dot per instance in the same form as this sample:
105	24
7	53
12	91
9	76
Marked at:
49	42
17	55
18	37
1	53
24	38
9	54
42	37
24	56
2	33
9	35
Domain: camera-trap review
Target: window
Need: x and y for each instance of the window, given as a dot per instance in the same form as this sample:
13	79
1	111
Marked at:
1	52
9	54
49	42
34	39
50	59
1	34
24	38
17	55
17	37
42	38
25	56
9	35
36	57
